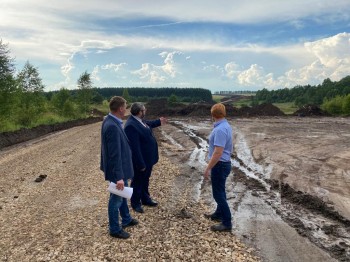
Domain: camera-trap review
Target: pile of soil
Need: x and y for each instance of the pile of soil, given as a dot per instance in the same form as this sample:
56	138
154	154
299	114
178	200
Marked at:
198	109
265	109
159	107
24	134
310	110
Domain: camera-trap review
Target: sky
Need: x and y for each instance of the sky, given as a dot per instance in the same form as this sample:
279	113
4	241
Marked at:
222	45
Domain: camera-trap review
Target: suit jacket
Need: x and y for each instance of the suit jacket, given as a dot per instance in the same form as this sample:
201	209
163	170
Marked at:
116	160
143	144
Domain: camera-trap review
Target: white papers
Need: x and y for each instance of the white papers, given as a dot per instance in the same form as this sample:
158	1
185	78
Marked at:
126	193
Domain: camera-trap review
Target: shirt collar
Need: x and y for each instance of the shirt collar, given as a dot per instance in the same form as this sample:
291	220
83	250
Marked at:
219	122
137	118
116	118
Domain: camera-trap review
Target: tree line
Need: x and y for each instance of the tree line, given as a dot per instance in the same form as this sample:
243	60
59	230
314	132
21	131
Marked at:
23	102
329	95
144	93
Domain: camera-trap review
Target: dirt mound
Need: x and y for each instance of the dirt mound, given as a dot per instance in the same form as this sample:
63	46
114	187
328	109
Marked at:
159	107
266	109
308	201
24	134
310	110
196	110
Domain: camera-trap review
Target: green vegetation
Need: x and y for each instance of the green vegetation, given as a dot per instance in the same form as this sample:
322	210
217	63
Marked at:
144	94
339	105
288	108
24	104
328	95
217	98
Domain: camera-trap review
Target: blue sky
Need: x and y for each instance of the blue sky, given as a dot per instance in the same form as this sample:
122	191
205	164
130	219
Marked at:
218	45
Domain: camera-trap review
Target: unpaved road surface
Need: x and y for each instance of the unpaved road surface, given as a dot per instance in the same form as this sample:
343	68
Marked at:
289	194
290	189
64	217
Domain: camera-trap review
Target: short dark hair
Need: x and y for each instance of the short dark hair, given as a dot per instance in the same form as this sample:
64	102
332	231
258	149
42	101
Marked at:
116	102
136	108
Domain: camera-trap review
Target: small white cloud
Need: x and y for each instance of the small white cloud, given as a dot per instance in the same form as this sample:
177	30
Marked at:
150	74
232	69
95	73
114	67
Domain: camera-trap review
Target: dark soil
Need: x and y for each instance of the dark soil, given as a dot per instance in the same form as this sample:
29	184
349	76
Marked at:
158	107
310	110
24	134
308	201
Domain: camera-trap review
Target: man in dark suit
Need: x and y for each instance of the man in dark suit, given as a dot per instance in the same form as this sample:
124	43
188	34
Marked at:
116	163
144	149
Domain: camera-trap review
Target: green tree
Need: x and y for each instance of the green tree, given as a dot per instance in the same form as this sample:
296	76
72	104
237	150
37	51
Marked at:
69	109
8	91
32	99
346	105
126	95
85	92
333	106
97	98
59	99
172	99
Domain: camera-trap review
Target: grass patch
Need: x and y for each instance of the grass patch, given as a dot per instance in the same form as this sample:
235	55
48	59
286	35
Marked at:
242	102
217	98
287	108
104	107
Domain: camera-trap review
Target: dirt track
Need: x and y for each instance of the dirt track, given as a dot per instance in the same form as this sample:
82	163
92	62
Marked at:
63	218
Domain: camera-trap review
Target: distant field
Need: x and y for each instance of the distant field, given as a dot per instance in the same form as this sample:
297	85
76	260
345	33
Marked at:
287	108
217	98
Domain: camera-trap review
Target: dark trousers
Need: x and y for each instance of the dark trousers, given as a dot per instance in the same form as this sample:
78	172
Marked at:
140	184
219	174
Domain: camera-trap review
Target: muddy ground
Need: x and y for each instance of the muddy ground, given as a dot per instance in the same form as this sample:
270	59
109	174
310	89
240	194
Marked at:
289	192
290	185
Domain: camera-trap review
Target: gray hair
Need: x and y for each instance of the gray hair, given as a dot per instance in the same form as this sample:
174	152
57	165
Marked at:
136	108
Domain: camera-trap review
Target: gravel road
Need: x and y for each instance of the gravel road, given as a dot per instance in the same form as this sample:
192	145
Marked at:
63	217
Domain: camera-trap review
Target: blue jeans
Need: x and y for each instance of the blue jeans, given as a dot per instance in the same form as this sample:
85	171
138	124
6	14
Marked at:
118	204
219	173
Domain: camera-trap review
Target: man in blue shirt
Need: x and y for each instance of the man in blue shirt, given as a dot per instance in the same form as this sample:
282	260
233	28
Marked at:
219	166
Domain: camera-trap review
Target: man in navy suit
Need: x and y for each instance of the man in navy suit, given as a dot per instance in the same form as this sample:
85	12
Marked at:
116	163
144	149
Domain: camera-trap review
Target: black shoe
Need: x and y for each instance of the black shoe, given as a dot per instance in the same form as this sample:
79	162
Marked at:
213	217
221	228
121	234
133	222
138	209
150	203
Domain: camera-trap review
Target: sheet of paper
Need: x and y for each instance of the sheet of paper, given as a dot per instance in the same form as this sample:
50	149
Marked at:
126	193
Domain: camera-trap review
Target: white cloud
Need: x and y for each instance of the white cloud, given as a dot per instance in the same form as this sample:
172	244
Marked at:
67	36
114	67
232	69
170	67
150	74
